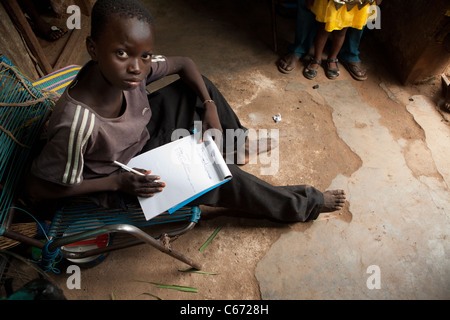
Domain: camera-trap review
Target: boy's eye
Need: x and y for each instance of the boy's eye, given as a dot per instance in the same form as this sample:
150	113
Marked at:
146	56
122	54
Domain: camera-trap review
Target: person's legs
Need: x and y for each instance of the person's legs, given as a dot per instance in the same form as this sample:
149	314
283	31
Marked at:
310	72
350	48
349	54
305	31
332	68
336	44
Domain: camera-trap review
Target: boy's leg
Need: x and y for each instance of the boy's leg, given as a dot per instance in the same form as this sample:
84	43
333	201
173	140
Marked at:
172	109
310	71
255	197
176	106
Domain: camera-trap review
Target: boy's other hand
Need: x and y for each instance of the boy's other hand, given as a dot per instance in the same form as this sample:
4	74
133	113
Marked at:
141	186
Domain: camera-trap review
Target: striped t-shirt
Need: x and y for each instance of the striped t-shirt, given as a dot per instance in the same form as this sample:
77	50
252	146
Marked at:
83	145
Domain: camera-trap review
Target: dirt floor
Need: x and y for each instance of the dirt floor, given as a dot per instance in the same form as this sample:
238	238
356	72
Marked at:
232	44
243	68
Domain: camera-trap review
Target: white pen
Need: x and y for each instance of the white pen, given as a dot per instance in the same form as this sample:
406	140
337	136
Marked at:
125	167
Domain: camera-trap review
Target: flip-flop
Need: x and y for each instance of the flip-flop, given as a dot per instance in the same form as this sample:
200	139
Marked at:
355	70
53	34
47	34
283	70
446	106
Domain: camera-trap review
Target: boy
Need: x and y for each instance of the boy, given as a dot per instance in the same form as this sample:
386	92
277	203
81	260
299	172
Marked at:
106	115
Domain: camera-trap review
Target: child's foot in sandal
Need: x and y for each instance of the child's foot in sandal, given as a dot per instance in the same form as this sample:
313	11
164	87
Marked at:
310	72
332	71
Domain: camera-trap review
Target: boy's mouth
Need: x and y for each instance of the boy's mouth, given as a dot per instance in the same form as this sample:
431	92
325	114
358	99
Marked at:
132	82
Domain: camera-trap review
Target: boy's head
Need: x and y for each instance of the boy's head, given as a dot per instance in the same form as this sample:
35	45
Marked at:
121	42
103	10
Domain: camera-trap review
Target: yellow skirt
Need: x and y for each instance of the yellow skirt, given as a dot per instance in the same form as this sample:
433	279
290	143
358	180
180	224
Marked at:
326	12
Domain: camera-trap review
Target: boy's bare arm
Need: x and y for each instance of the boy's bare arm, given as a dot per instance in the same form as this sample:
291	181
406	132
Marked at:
189	73
39	189
143	186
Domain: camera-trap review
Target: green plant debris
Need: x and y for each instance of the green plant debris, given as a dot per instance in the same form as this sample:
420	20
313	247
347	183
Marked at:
149	294
203	247
171	286
192	270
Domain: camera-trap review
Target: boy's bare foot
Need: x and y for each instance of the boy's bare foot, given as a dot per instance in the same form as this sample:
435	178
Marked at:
333	200
253	148
288	63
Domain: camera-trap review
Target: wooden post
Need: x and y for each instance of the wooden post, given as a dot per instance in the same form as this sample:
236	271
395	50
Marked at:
17	16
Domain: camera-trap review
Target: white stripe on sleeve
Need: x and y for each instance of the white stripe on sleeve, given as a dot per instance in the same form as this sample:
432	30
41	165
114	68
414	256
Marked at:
77	140
86	137
70	144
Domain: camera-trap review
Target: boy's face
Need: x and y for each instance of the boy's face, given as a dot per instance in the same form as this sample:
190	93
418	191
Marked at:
123	51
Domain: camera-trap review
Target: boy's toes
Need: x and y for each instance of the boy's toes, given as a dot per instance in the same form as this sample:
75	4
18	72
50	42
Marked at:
333	200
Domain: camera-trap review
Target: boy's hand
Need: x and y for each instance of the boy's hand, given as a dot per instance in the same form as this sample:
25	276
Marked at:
141	186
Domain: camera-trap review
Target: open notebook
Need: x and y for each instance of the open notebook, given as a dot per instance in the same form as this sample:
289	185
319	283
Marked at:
188	168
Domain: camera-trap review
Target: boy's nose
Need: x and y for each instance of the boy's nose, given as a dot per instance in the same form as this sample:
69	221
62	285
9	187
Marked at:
135	67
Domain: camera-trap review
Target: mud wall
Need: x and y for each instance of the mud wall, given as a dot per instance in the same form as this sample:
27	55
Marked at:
415	37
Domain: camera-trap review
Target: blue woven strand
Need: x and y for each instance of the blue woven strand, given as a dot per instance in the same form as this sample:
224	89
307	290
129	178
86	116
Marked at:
48	261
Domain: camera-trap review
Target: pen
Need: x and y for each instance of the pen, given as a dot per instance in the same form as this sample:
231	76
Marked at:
128	168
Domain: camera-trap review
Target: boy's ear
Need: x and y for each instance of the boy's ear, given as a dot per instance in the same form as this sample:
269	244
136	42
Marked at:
91	48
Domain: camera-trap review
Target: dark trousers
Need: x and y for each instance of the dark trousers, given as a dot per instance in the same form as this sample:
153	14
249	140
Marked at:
176	106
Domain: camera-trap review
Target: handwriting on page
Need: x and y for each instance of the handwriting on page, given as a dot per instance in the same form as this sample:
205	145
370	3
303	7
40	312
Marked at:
202	151
185	158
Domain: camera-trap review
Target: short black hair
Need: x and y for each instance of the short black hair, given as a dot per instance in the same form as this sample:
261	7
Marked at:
104	9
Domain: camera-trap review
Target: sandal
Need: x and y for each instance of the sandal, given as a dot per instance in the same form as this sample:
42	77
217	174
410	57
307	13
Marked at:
46	31
355	70
288	63
446	106
311	73
52	34
332	73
